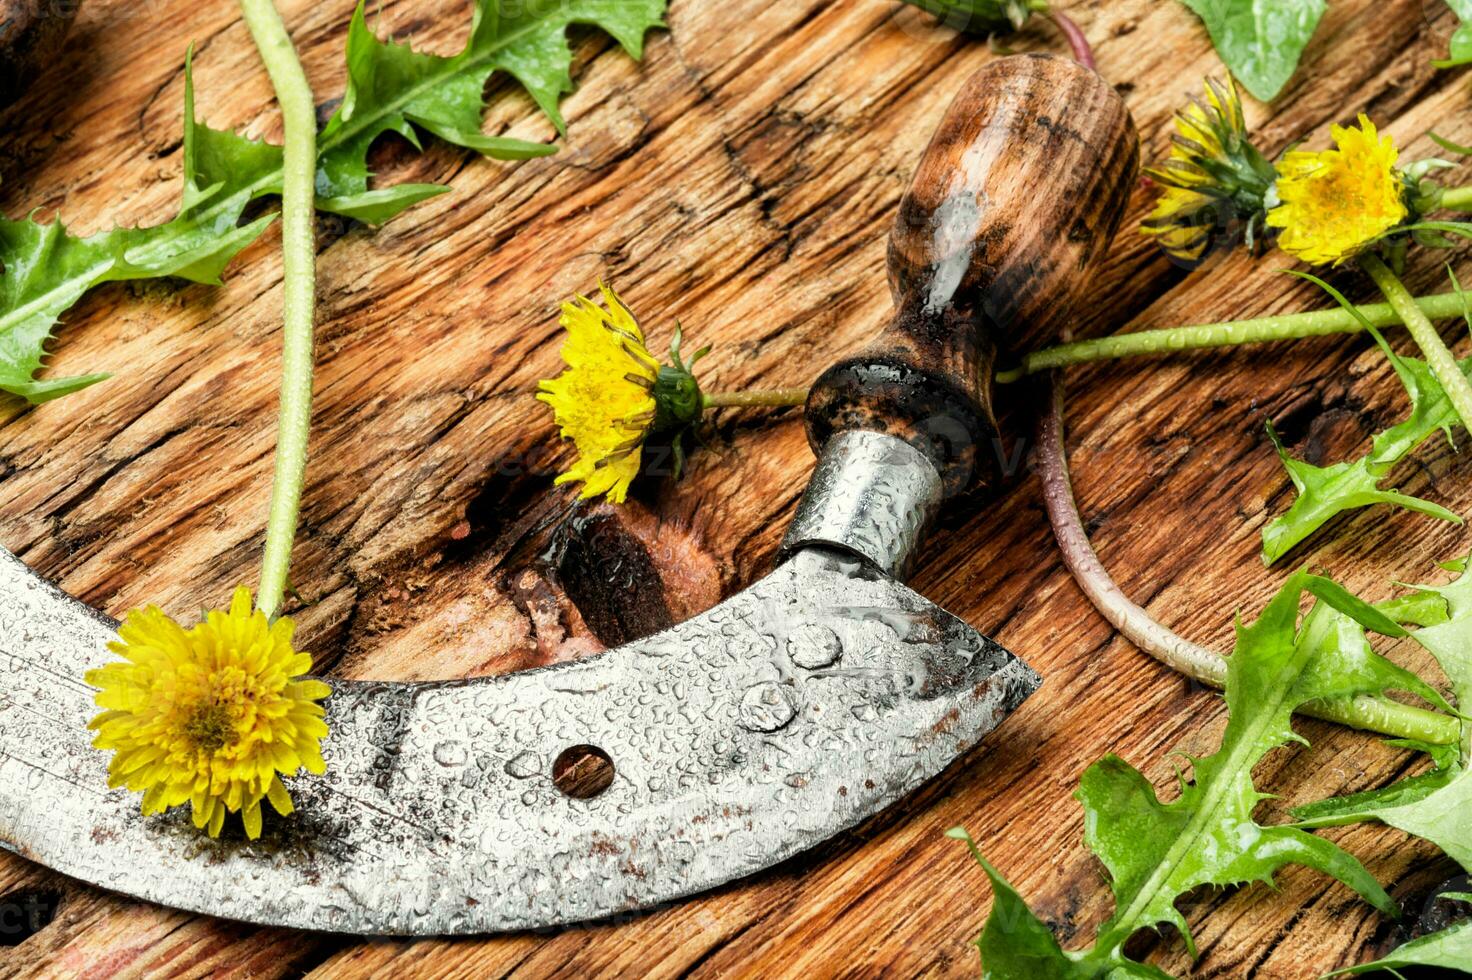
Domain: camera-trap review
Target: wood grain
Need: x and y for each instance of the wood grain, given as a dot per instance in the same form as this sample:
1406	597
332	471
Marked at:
31	34
743	180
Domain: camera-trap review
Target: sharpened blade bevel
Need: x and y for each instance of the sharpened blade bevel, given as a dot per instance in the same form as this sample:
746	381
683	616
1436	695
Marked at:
739	738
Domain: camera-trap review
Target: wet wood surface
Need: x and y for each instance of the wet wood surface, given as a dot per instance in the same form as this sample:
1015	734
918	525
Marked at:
742	180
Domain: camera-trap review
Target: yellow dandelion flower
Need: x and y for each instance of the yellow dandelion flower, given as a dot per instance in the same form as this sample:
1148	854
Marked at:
614	394
1335	203
210	716
1175	226
1214	180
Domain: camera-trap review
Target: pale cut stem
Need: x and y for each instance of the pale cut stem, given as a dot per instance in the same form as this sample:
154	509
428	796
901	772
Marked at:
299	256
1292	326
1196	662
1443	365
774	398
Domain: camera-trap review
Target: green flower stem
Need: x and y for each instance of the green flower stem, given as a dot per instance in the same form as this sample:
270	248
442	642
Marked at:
1443	365
775	398
299	257
1457	198
1292	326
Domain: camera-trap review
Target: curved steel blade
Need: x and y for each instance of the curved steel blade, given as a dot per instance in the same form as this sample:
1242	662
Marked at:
782	716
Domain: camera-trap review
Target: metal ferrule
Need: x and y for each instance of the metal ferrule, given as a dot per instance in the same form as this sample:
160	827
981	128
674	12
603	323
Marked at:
872	494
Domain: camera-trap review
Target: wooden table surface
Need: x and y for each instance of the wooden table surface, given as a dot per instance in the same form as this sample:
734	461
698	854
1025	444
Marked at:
743	180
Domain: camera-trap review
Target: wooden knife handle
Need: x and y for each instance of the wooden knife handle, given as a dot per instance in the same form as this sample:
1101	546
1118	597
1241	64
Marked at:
1018	195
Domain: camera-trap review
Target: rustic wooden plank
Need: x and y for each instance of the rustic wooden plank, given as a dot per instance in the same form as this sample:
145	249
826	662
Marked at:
743	180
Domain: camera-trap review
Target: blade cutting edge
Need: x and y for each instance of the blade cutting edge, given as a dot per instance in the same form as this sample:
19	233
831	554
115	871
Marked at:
784	715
